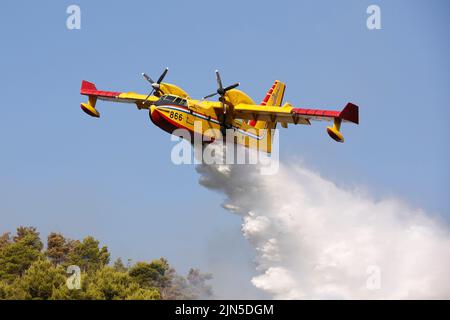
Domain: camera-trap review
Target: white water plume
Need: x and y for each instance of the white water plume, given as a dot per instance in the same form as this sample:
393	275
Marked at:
315	240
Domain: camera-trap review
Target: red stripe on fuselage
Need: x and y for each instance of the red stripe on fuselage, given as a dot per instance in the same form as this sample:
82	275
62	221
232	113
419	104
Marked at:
192	113
168	125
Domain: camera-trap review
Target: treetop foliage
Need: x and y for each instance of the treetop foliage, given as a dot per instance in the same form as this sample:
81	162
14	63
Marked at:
28	271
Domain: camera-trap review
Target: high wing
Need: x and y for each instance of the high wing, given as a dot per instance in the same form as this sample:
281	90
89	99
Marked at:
89	89
142	102
289	114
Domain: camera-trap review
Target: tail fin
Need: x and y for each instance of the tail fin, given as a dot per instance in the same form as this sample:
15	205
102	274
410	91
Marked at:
274	97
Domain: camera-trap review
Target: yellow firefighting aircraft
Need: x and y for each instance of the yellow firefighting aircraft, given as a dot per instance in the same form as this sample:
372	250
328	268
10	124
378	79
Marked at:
171	108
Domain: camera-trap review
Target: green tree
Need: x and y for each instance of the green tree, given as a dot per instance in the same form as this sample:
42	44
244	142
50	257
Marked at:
88	255
29	234
16	257
108	284
57	248
3	290
4	239
41	279
154	274
64	293
144	294
119	266
11	291
28	273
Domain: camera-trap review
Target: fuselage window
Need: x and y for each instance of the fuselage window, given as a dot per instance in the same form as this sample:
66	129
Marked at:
169	99
180	101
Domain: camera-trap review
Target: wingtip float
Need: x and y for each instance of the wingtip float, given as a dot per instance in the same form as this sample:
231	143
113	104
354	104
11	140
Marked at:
351	114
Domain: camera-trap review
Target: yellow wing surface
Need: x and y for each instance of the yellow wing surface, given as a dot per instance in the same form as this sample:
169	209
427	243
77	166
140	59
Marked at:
289	114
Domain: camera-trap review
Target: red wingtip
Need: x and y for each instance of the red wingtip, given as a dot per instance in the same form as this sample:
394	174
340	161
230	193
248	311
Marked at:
350	113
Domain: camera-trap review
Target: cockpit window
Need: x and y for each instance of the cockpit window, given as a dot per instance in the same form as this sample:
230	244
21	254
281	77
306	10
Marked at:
172	100
168	98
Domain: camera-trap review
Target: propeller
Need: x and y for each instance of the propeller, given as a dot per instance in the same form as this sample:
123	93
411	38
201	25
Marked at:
156	86
221	90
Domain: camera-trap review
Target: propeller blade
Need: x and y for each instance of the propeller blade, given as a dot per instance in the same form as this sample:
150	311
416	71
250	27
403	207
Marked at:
161	77
210	95
151	92
232	86
219	80
147	78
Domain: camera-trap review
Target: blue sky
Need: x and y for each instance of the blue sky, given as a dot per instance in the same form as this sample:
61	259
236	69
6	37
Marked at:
112	177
